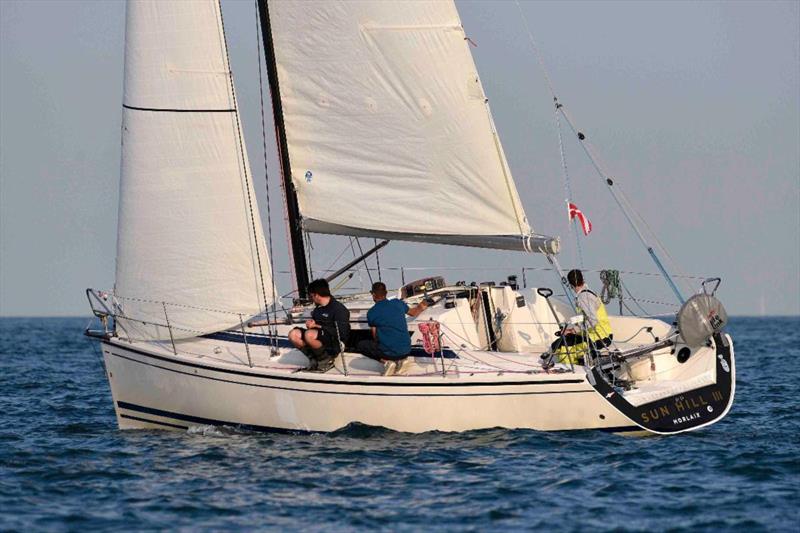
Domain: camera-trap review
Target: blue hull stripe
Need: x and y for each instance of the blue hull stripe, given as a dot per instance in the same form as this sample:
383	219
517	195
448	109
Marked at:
158	422
199	420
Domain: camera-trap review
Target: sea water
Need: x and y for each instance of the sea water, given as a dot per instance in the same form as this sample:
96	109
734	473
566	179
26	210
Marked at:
64	465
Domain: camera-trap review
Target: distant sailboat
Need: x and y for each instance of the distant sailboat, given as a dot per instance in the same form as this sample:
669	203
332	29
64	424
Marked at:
376	105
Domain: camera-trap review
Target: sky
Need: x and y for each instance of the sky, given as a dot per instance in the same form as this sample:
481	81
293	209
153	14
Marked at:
692	107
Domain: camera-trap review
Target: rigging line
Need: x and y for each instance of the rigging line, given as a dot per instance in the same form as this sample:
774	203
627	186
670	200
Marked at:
683	277
292	214
241	153
572	225
568	293
330	266
358	270
593	160
601	168
536	52
273	330
631	311
361	251
353	249
308	246
610	186
631	297
378	260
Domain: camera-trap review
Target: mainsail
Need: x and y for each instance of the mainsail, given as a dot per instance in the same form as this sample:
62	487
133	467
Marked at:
190	246
388	128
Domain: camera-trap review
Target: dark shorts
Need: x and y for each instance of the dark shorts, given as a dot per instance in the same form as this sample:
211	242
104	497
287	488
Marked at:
372	350
329	342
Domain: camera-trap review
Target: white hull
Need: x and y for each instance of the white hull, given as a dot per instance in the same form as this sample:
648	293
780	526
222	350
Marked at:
248	378
192	261
154	389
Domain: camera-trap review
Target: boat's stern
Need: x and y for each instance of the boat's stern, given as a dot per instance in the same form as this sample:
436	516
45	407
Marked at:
674	406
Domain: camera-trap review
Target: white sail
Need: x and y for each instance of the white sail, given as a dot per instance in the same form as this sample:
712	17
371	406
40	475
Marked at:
388	129
189	231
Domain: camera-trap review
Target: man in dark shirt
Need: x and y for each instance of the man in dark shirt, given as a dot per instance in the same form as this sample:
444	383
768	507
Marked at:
391	342
329	325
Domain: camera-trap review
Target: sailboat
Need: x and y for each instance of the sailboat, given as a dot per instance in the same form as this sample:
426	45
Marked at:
376	105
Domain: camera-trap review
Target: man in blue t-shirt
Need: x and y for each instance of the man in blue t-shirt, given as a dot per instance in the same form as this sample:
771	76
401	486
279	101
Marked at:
391	342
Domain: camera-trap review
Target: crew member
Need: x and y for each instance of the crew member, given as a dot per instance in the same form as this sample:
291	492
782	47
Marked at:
328	327
391	342
572	345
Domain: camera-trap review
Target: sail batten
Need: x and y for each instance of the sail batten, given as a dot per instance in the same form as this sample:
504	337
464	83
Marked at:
167	110
190	247
387	125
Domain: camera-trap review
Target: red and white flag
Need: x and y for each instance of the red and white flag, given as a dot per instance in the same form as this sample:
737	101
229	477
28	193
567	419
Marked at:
574	212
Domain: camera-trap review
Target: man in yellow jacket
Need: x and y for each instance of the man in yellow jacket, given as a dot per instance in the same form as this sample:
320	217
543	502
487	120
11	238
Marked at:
572	346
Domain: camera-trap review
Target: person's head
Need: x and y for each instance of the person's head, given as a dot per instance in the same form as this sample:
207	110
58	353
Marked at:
575	278
378	291
318	290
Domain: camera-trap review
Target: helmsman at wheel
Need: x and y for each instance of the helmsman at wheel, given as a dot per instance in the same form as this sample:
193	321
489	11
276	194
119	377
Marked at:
572	345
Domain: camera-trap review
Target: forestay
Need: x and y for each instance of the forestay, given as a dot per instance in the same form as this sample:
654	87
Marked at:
388	128
189	231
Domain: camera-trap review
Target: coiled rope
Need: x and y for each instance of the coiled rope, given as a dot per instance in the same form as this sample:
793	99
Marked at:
611	285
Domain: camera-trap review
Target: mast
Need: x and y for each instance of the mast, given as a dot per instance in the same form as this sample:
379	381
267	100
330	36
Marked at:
292	207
